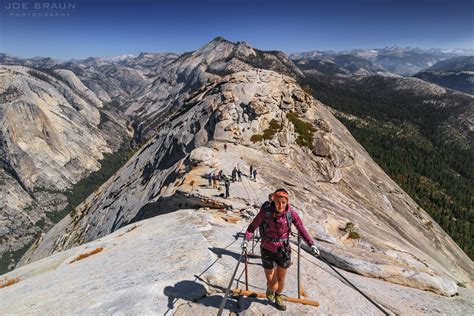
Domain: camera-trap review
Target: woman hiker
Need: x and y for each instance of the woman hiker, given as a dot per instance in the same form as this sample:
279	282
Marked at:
274	221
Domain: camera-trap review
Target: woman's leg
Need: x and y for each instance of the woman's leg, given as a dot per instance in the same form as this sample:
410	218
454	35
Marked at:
272	280
280	275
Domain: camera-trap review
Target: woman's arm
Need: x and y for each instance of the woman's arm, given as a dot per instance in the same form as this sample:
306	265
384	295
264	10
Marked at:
255	223
300	227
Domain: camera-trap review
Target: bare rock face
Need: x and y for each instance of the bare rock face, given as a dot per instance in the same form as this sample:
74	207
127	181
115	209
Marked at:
45	130
53	134
116	84
73	81
387	237
320	146
192	71
203	156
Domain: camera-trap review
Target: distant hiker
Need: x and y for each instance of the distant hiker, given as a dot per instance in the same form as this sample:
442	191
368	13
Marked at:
220	177
274	221
234	174
209	178
227	186
251	171
269	201
239	173
225	147
255	174
214	181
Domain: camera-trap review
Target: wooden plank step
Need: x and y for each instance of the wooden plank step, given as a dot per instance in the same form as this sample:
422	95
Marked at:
285	298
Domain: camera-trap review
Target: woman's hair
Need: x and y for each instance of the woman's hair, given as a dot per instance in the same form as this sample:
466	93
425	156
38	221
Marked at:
281	190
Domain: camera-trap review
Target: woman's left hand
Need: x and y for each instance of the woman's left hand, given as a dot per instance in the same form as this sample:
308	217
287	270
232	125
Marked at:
315	250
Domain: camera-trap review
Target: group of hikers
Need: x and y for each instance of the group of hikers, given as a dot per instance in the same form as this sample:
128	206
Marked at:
236	175
236	172
215	178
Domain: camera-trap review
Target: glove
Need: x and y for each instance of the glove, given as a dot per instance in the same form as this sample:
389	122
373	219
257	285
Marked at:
315	250
244	245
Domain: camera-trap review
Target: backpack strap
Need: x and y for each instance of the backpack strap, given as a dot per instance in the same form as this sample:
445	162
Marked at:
289	221
266	220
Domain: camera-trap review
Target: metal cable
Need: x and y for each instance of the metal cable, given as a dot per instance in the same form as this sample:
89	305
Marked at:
348	282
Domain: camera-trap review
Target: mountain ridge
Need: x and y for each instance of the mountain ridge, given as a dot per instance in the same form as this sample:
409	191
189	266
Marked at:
403	61
454	73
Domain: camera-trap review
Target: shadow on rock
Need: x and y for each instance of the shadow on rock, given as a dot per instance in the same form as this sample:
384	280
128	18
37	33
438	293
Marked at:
220	251
221	195
196	292
186	290
216	300
244	302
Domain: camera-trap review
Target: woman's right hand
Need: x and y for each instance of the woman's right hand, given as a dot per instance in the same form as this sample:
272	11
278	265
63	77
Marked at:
248	235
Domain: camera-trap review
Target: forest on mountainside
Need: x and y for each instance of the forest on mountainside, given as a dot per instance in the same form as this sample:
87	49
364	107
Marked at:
417	139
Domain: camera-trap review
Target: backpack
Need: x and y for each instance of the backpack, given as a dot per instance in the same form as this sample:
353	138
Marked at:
268	217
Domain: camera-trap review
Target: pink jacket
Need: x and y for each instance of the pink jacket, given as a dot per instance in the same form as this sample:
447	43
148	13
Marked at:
277	229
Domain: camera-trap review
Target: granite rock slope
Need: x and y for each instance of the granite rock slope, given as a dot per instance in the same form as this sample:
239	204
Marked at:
180	263
54	131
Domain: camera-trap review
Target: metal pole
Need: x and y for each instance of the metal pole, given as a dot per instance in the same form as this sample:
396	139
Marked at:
253	242
227	291
299	251
246	273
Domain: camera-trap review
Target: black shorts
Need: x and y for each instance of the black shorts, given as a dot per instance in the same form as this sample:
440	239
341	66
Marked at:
270	258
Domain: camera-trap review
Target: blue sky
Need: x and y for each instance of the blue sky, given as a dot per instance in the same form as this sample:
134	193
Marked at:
99	28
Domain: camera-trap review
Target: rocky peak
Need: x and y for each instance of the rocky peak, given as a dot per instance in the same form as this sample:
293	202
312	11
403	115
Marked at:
226	49
192	71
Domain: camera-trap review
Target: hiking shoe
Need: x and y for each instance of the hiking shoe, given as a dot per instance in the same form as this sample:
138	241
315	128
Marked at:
279	302
270	295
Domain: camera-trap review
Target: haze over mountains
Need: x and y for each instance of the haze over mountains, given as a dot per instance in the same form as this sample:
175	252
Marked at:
404	61
455	73
448	68
172	114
